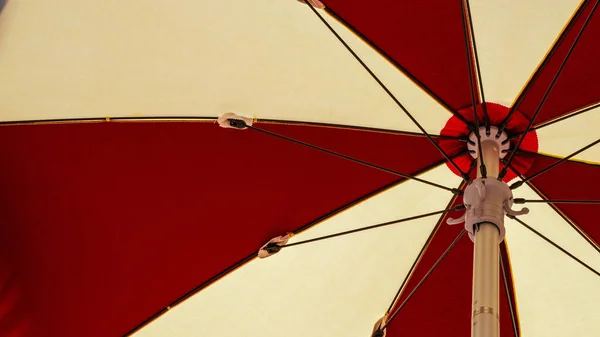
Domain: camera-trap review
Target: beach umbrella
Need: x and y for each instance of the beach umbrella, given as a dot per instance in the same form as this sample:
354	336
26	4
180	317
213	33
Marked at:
320	168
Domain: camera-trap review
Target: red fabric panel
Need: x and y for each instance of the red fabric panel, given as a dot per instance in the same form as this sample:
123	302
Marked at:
442	306
577	86
577	181
496	112
105	224
14	318
425	38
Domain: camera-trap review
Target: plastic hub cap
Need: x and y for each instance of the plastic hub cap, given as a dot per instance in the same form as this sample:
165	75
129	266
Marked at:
501	141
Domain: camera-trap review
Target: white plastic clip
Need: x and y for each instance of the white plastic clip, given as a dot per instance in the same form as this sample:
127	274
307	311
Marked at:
229	121
273	246
379	329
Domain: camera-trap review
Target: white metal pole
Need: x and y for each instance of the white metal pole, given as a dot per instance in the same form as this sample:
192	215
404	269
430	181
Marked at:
486	292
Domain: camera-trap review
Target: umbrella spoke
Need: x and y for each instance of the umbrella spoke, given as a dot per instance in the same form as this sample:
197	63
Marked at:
563	118
469	27
538	72
437	263
550	87
573	114
472	167
555	245
354	127
383	224
392	96
407	176
519	183
511	306
425	245
486	117
564	217
561	201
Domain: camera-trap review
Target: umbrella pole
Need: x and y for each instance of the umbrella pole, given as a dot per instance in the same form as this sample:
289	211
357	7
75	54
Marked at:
486	292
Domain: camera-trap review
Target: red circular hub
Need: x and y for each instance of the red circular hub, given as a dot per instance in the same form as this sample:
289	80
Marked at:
496	112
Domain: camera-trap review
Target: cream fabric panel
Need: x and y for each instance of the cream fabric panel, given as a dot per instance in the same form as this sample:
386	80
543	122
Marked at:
567	136
513	37
267	59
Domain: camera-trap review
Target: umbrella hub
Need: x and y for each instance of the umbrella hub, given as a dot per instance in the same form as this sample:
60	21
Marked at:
496	113
488	199
500	141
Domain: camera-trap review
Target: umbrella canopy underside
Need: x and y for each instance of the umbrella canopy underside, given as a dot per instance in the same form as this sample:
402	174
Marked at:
126	210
